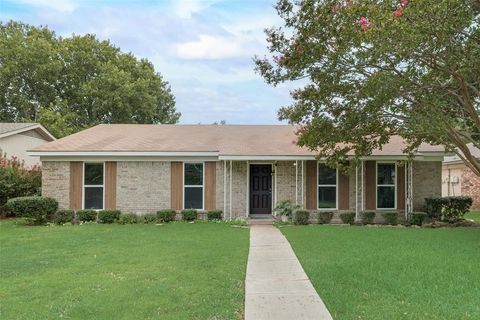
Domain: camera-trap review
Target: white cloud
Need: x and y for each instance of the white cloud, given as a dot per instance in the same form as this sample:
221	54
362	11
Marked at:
214	47
58	5
185	9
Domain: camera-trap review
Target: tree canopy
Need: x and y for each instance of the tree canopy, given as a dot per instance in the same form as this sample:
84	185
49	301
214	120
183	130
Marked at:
370	69
68	84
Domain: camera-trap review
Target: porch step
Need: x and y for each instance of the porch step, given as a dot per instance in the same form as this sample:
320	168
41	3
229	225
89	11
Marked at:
261	221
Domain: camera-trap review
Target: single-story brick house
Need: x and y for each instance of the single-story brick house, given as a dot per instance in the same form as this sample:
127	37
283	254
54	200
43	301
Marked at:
243	170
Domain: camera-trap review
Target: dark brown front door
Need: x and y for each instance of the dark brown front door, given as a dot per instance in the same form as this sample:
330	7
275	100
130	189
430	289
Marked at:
260	189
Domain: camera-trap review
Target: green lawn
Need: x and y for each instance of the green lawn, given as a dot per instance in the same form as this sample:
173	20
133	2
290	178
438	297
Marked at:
392	273
473	215
174	271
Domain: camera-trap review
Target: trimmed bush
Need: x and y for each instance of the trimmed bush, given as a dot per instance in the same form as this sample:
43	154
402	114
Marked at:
86	215
300	217
324	217
63	216
347	217
108	216
128	218
35	209
368	217
166	215
450	209
149	218
214	215
417	218
189	214
390	217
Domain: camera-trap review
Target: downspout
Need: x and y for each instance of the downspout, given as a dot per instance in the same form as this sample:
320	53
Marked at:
225	189
230	190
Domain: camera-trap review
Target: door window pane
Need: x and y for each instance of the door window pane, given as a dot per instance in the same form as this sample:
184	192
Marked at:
193	175
93	198
193	198
386	197
327	197
93	174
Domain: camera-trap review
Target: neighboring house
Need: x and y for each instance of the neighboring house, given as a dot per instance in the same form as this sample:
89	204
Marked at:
459	180
243	170
17	138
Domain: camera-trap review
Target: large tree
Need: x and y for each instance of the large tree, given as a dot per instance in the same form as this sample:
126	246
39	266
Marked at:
72	83
369	69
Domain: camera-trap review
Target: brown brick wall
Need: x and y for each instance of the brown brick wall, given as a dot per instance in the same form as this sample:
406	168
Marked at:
471	187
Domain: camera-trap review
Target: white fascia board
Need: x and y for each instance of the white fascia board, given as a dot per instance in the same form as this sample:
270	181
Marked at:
262	158
120	154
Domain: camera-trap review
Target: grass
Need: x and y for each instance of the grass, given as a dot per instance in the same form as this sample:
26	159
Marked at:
392	273
174	271
473	215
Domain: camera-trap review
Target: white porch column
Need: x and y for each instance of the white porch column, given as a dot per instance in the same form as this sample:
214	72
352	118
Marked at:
247	203
230	190
225	189
356	193
296	182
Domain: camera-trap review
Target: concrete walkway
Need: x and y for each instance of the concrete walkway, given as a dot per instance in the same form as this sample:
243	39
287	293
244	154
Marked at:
276	286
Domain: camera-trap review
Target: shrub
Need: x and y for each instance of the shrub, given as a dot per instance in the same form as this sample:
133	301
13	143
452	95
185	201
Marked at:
17	180
149	218
36	209
390	217
128	218
348	217
63	216
108	216
454	208
324	217
450	209
285	208
166	215
368	217
189	214
417	218
300	217
86	215
214	215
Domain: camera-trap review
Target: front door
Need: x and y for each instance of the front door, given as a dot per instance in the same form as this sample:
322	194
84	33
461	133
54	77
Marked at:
260	189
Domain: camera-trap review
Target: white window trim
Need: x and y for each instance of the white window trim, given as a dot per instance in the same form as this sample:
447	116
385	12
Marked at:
194	186
386	185
93	185
328	185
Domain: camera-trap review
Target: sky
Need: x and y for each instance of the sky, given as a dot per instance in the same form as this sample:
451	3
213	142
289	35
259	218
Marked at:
203	48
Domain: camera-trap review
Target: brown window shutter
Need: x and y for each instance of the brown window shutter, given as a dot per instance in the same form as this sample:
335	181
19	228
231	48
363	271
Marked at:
401	187
76	184
343	191
176	185
110	185
370	185
210	188
311	185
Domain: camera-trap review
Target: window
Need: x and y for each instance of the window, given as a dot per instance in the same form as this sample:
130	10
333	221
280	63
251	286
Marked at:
386	185
93	186
327	187
193	186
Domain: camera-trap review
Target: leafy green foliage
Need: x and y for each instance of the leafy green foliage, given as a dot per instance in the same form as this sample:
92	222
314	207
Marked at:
69	84
450	209
108	216
128	218
214	215
417	218
149	218
189	214
390	217
16	180
63	216
166	215
368	69
347	217
300	217
285	208
87	215
324	217
433	207
36	210
368	217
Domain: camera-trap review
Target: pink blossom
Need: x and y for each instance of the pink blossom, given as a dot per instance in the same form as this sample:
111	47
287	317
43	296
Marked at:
398	12
404	3
364	23
336	8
